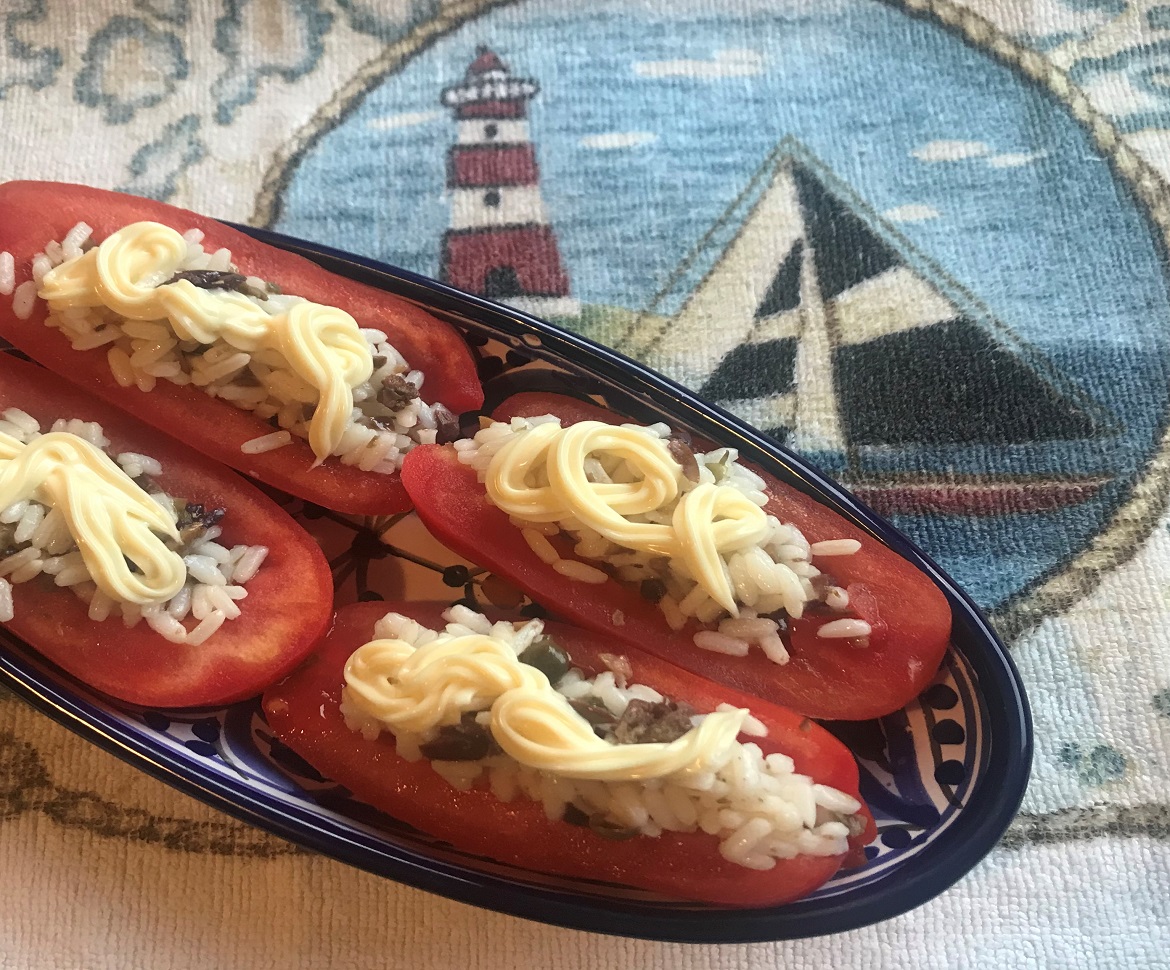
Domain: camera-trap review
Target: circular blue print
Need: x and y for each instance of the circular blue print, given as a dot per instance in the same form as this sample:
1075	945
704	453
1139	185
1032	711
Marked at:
946	166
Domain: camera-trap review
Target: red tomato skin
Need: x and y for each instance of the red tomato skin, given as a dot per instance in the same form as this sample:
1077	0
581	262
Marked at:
286	611
827	679
303	712
32	213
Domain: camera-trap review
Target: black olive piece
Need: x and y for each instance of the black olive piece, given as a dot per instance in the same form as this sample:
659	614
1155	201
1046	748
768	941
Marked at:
214	517
652	590
446	425
544	654
597	714
597	823
466	741
574	816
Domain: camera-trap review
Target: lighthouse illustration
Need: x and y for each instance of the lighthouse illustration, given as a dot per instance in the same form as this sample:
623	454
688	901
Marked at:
499	244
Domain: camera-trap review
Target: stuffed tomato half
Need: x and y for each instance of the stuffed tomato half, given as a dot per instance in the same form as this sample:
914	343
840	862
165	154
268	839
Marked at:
145	570
533	744
309	382
679	550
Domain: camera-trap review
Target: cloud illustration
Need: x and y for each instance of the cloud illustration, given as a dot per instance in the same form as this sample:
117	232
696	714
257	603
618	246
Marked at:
911	212
406	119
1014	159
734	62
950	151
610	140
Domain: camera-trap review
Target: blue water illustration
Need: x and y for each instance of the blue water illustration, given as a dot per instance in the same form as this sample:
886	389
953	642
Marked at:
981	171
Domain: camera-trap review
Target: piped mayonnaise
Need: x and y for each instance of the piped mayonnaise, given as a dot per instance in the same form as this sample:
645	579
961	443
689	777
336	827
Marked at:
708	521
129	273
419	689
111	519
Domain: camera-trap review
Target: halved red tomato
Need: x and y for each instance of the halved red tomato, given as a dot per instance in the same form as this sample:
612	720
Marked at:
287	608
824	678
33	213
304	713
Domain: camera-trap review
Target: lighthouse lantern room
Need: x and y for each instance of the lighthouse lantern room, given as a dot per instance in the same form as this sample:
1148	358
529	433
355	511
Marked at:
499	244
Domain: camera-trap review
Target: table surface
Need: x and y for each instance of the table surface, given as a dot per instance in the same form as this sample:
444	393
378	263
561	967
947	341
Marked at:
923	243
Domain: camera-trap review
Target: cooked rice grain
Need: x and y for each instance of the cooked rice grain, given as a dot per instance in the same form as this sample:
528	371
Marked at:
844	629
268	442
579	571
24	299
835	547
7	274
6	611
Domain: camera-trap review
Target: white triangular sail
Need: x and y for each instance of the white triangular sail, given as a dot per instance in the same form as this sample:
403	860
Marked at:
817	424
721	313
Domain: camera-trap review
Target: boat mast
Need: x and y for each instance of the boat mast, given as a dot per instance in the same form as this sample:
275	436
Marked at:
818	415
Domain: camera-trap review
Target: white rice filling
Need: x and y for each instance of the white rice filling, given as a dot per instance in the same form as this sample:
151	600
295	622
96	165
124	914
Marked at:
774	578
140	353
37	541
757	806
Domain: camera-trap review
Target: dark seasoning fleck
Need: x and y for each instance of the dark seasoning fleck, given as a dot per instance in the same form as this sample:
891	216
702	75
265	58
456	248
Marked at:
211	279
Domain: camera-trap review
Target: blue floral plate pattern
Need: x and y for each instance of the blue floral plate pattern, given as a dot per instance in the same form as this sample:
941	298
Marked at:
944	776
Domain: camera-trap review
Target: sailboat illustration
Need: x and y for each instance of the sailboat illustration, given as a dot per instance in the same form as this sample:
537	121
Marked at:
822	325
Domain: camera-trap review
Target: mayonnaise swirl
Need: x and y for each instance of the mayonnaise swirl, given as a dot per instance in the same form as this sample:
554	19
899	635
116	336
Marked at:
419	689
111	519
708	522
128	274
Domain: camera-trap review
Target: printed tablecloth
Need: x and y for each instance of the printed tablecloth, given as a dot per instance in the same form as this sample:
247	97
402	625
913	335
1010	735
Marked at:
924	243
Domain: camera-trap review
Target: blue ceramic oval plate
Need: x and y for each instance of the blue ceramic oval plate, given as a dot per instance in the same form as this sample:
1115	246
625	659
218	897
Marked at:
944	776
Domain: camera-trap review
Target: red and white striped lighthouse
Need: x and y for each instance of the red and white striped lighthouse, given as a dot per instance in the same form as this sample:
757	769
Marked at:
499	243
